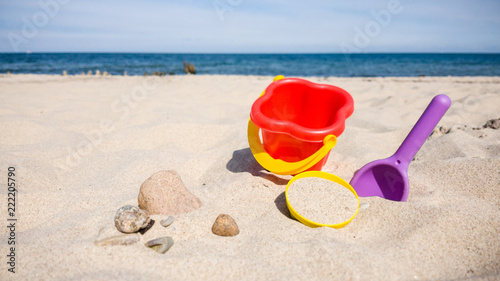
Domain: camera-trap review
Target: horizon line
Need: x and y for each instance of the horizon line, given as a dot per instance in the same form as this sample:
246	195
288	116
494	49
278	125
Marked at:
248	53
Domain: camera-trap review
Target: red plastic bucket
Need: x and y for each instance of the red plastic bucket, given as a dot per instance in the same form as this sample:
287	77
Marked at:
295	115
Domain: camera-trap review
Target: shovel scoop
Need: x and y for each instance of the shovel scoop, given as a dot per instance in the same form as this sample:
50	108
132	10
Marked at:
388	178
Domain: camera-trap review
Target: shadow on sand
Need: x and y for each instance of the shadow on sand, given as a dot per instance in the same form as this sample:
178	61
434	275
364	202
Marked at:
280	203
243	161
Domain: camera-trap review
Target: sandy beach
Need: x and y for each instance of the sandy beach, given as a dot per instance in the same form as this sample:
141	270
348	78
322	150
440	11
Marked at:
82	146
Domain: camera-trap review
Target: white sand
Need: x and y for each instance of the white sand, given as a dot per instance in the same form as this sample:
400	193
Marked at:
70	187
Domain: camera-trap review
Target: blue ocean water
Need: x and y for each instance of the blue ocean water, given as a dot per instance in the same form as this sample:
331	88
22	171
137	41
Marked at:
342	65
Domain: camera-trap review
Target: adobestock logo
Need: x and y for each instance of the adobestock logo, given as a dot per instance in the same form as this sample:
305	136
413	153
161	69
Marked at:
31	25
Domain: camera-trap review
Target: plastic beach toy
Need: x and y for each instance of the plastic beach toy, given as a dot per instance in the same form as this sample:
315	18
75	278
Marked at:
388	178
300	122
326	176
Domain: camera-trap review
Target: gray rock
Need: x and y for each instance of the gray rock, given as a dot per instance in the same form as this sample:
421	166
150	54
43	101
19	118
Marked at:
109	236
161	245
130	219
168	221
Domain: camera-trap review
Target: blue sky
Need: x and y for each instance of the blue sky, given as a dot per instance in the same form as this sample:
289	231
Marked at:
245	26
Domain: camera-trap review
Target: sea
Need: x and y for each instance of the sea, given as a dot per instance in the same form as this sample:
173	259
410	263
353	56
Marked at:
340	65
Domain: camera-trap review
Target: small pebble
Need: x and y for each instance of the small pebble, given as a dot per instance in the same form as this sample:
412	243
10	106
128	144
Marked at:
225	225
130	219
364	206
168	221
161	245
492	124
111	236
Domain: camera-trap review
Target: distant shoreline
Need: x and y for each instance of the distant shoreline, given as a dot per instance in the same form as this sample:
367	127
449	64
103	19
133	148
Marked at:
480	79
306	65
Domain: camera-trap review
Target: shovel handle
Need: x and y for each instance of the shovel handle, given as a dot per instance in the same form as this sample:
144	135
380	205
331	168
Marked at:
423	128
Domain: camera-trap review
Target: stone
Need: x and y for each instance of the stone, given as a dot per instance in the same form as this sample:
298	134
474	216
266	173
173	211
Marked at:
189	68
225	225
130	219
161	245
164	193
364	206
493	124
166	222
110	236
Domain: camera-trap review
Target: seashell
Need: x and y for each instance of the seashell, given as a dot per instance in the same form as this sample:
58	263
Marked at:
168	221
161	245
130	219
225	225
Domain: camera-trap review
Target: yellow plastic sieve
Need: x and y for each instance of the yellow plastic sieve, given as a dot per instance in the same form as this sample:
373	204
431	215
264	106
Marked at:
326	176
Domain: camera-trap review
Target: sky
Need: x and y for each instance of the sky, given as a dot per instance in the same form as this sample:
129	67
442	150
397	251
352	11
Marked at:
250	26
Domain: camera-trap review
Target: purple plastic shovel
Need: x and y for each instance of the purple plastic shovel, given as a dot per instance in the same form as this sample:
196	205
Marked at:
388	178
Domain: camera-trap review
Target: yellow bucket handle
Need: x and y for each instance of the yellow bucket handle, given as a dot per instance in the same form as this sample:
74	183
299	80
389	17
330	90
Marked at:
279	166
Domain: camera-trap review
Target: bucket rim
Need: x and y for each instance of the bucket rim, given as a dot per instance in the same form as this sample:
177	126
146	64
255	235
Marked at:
293	129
